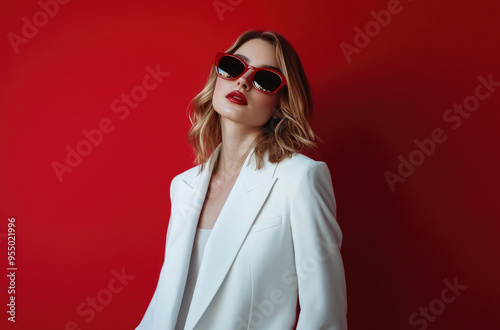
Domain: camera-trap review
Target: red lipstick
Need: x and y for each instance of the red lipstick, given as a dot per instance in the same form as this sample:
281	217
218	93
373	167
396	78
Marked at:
237	97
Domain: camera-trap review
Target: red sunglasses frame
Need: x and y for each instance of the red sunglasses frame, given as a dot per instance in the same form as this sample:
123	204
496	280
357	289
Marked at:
248	67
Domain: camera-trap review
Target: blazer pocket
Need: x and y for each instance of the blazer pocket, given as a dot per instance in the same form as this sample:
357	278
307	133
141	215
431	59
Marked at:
266	224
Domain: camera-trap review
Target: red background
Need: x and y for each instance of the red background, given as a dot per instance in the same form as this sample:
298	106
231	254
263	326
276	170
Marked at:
111	212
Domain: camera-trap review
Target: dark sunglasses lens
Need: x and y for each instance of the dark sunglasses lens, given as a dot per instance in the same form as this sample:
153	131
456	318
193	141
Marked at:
230	67
267	81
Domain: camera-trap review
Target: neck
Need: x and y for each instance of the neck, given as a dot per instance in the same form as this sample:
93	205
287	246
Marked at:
237	141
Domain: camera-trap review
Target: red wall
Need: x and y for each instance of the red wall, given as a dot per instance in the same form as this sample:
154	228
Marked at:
375	93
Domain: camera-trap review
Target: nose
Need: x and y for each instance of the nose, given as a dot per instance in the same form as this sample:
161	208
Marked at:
246	79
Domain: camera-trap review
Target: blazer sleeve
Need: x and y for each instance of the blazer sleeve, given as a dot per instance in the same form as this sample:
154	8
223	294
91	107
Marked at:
317	239
147	320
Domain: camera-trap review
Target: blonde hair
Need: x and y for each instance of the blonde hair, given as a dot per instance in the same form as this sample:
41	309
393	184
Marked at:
283	136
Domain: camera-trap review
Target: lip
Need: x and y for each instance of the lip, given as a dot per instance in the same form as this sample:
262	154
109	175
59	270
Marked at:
237	98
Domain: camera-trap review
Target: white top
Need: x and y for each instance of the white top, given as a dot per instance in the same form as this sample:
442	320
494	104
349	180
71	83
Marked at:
200	241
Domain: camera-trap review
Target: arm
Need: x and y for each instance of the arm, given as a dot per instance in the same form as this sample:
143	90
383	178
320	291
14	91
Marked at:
317	240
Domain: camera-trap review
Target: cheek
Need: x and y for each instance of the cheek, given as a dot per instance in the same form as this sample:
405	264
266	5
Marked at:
217	89
268	102
218	92
223	87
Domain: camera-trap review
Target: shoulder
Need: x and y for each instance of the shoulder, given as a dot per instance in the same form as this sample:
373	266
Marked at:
187	176
300	165
303	176
308	183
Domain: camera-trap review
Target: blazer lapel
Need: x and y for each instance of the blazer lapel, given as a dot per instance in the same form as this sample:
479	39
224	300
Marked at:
230	230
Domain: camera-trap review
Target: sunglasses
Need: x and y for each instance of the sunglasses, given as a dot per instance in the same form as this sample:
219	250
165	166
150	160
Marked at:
265	80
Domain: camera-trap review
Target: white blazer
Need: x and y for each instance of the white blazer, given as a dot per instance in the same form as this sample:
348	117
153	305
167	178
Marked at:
275	240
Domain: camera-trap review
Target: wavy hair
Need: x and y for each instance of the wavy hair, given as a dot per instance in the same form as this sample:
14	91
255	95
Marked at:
287	133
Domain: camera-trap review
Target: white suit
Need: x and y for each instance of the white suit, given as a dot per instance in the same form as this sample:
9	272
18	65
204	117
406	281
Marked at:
275	239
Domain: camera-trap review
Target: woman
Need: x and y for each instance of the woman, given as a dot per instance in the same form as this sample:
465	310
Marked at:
252	231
